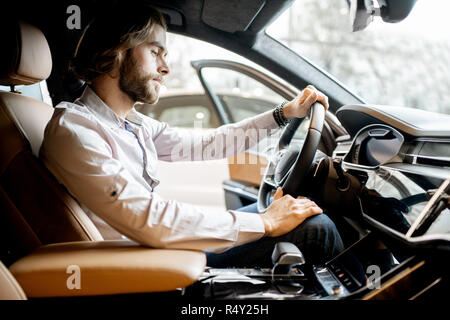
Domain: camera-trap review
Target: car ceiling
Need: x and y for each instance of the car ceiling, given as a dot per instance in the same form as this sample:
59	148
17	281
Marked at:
231	15
236	25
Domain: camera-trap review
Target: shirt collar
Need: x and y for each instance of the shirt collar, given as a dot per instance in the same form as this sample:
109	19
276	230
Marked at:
101	110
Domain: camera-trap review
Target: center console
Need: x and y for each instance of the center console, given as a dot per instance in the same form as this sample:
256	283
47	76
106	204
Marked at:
337	279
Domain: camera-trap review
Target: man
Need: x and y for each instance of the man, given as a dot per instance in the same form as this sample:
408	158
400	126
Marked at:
105	153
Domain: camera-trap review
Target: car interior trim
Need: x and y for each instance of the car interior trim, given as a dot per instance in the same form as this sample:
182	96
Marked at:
357	116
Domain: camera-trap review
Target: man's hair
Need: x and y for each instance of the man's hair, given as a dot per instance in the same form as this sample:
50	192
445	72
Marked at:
106	40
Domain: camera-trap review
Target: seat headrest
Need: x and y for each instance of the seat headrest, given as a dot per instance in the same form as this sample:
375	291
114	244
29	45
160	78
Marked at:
25	56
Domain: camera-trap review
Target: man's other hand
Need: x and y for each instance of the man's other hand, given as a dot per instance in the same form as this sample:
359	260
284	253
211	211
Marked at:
286	213
299	106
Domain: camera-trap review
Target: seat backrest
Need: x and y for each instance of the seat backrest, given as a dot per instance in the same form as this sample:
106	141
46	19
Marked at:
9	287
27	187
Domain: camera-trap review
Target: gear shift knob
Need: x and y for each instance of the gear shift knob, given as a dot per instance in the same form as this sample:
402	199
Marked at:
286	253
284	257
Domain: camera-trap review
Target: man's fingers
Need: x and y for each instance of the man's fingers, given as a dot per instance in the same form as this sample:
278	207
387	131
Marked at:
305	206
311	99
309	95
315	210
305	94
320	96
308	211
300	204
278	194
305	201
323	99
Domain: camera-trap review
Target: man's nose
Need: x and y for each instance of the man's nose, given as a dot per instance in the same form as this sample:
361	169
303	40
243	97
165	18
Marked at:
163	68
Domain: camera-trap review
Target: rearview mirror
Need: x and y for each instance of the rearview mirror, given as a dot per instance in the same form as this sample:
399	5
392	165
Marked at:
363	11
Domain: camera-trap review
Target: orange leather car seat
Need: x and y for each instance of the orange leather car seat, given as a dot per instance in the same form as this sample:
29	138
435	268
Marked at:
35	208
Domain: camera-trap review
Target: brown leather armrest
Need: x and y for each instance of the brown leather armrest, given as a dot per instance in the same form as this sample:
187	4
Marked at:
105	267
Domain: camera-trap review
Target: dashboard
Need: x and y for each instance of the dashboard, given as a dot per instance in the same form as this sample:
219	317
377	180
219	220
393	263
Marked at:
386	134
401	156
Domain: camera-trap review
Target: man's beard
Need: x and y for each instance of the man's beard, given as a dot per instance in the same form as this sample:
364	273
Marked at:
137	84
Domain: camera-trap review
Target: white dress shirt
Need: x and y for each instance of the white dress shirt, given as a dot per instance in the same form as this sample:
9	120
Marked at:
112	172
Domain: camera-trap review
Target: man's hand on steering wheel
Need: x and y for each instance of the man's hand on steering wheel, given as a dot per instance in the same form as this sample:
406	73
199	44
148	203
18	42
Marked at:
299	106
286	213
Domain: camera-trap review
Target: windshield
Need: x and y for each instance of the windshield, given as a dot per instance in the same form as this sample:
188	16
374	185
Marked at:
402	64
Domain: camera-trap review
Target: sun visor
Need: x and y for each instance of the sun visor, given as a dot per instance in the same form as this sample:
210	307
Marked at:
231	15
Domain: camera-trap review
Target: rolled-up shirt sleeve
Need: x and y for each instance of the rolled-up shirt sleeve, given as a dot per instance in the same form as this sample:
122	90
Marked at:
81	158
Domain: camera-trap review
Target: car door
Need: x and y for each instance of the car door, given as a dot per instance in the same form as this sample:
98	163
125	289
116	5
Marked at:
239	91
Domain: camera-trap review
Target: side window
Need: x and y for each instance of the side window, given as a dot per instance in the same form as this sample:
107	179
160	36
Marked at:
241	95
187	116
183	96
183	110
33	90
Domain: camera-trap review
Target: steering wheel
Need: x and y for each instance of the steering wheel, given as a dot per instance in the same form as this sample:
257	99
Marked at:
290	164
